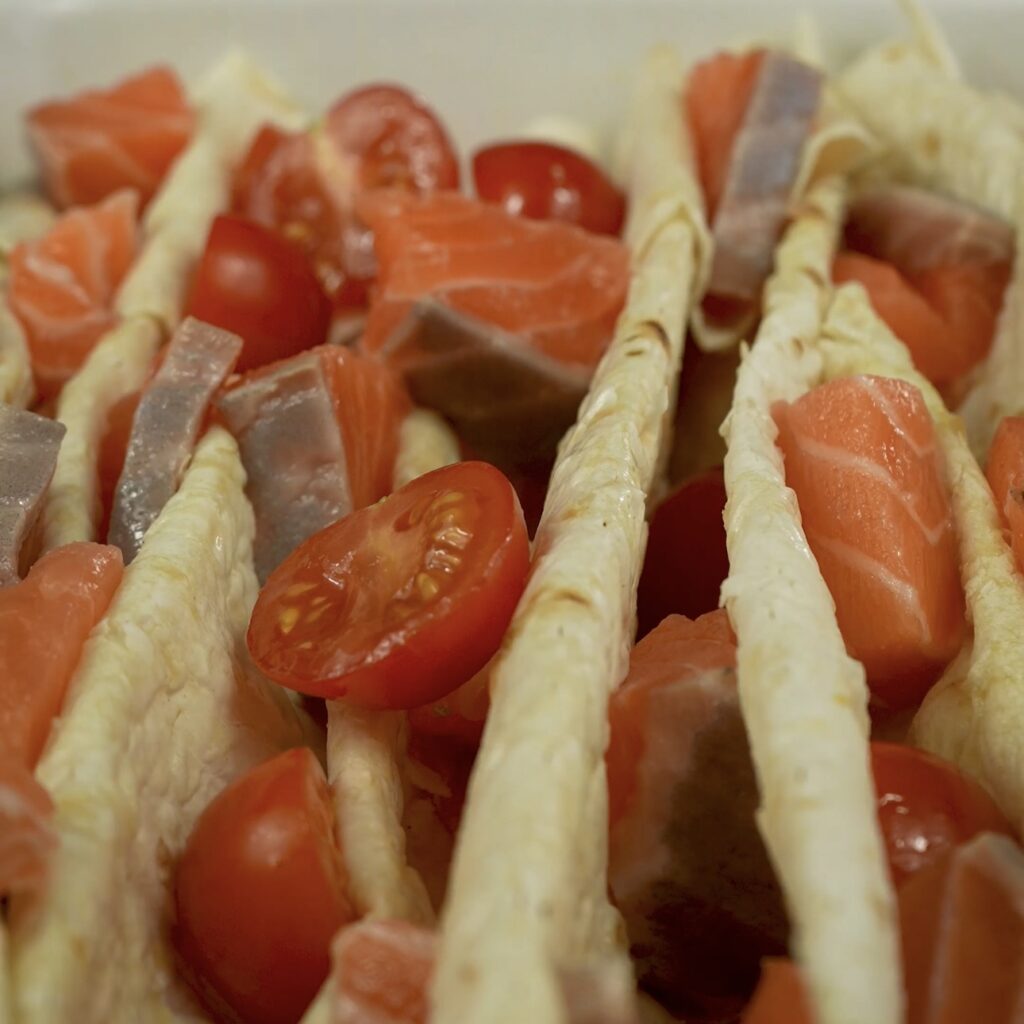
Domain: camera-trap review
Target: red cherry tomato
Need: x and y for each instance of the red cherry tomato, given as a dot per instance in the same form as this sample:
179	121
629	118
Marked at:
398	604
686	559
254	282
260	892
926	807
387	138
549	182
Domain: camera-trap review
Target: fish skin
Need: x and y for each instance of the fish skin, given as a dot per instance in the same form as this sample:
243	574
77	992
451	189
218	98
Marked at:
28	457
555	286
764	164
916	230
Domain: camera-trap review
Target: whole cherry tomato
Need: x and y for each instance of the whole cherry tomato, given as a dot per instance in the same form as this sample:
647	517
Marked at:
260	285
259	893
549	182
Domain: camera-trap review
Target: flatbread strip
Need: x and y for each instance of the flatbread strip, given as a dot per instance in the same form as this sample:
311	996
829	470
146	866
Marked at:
363	752
803	698
231	103
945	135
974	715
528	890
161	714
363	747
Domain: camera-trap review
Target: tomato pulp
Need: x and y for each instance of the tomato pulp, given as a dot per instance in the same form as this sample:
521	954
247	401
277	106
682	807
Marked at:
398	604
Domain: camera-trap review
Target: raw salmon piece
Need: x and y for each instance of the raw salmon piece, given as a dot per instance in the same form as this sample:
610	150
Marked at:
318	435
968	297
26	837
99	141
946	316
716	98
687	867
44	622
763	165
962	922
780	997
61	285
556	287
369	403
165	427
916	230
1005	472
381	972
861	455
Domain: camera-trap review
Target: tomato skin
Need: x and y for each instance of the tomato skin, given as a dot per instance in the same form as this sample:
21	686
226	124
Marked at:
686	560
259	285
259	893
388	138
398	604
926	807
549	182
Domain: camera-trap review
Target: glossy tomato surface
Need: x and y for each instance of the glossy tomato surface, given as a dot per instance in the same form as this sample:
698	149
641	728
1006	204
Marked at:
260	892
686	560
398	604
306	184
926	807
260	285
549	182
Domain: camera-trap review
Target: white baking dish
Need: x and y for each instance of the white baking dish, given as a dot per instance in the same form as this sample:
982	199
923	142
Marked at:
488	66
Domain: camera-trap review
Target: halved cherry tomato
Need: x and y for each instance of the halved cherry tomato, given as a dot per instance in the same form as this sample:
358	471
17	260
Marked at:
398	604
549	182
686	559
926	807
306	186
780	997
260	892
260	285
279	184
387	138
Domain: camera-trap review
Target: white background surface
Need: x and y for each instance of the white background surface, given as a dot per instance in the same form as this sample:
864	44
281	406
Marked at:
488	66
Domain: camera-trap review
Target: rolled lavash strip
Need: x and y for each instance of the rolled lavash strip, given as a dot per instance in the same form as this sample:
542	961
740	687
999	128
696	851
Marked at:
974	715
945	135
804	700
364	749
232	102
527	896
23	215
162	712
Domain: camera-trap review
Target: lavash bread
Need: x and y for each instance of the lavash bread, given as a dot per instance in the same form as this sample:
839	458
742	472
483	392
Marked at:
231	104
527	898
804	700
947	135
162	712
